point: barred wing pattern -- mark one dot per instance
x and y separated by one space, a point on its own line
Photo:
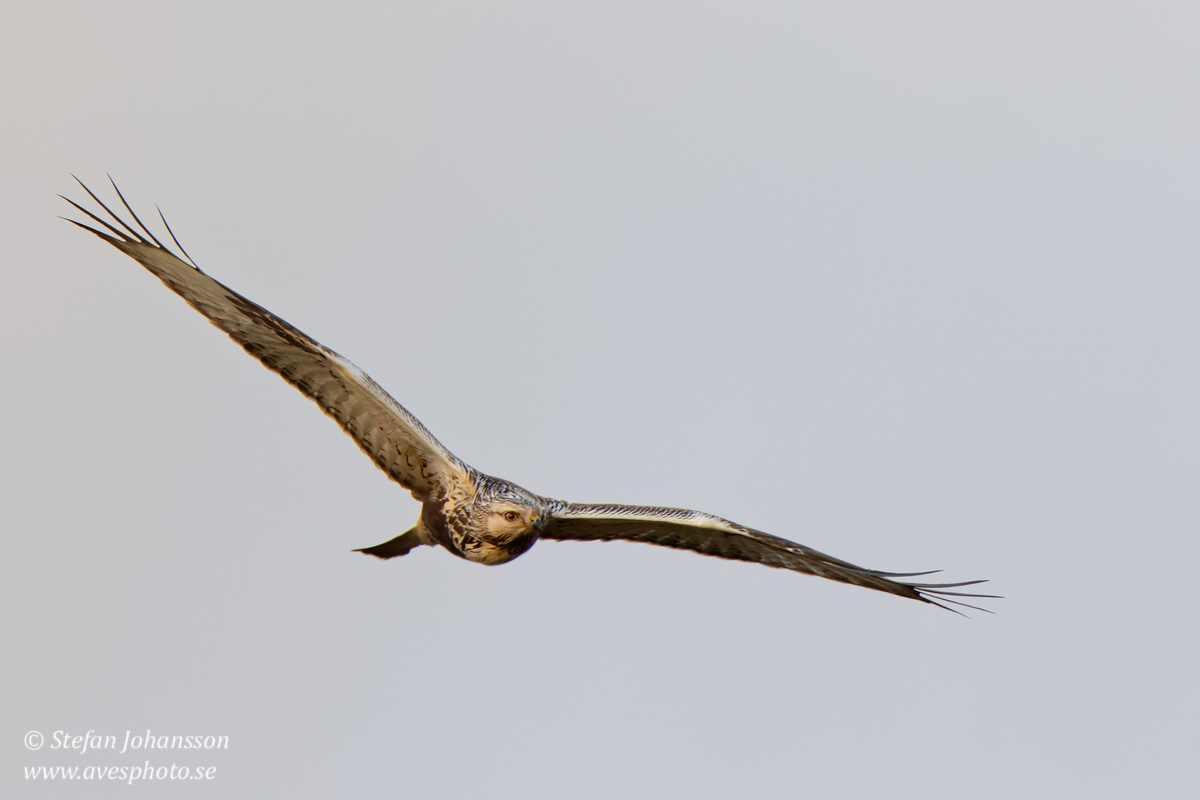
713 536
451 491
383 429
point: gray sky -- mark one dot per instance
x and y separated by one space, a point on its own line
915 284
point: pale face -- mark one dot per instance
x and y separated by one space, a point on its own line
507 522
502 532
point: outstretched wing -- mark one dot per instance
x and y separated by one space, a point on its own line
713 536
382 428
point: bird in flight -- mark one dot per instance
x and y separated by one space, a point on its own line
475 516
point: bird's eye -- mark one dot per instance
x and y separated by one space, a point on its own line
511 516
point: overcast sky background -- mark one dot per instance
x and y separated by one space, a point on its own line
912 283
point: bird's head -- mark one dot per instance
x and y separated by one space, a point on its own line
506 522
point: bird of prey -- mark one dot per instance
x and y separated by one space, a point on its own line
475 516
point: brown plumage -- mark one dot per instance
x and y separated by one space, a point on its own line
475 516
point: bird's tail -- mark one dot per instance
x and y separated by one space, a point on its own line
394 547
